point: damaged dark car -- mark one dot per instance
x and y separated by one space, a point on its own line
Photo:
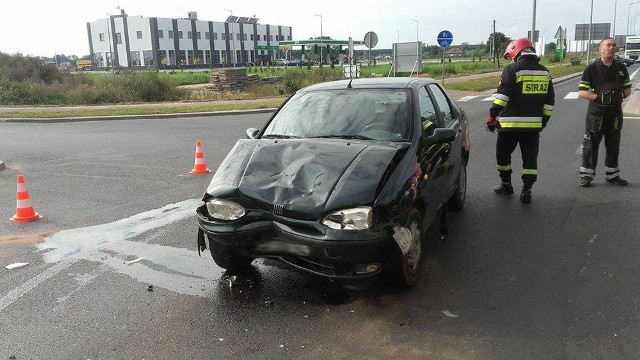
341 182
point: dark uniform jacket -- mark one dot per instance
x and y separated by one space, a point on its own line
608 82
525 96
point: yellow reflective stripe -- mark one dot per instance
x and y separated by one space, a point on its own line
627 83
426 125
534 78
521 125
585 86
504 167
530 171
547 112
499 102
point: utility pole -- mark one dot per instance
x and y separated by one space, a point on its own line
590 34
494 46
533 25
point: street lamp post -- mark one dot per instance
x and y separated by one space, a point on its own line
395 60
321 39
233 41
615 10
590 33
629 15
418 64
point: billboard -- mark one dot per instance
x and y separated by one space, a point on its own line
599 31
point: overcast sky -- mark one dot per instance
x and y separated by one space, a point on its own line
45 28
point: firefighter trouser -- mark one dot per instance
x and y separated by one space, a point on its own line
529 143
590 146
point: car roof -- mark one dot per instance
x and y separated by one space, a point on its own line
372 83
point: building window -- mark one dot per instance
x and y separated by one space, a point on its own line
215 36
148 57
189 35
135 58
238 37
172 57
198 35
270 37
224 36
207 35
101 36
180 35
170 34
138 34
118 38
160 34
207 56
264 37
251 37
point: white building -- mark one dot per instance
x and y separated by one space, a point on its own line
125 41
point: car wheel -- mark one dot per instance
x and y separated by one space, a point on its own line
227 257
408 268
457 200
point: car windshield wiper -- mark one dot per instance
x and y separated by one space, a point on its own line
359 137
279 136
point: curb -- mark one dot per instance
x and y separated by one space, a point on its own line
136 117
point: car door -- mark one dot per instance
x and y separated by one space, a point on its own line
432 157
450 119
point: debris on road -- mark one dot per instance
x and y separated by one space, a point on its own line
15 266
449 314
134 261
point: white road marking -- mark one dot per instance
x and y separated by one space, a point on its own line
634 74
175 269
579 151
571 95
467 98
490 98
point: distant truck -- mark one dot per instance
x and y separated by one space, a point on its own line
83 65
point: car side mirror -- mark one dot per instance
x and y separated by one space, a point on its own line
252 133
441 136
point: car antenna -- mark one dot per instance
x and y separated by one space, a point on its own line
349 85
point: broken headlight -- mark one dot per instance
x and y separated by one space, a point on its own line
359 218
224 209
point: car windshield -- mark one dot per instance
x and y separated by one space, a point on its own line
378 114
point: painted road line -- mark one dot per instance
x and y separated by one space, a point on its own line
467 98
572 95
490 98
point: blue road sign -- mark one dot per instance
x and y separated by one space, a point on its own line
445 38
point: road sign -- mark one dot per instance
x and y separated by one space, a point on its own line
267 47
445 38
370 39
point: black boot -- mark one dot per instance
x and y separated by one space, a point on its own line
525 195
504 189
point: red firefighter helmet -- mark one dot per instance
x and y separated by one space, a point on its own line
516 46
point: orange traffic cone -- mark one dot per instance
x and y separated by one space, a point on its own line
200 167
24 209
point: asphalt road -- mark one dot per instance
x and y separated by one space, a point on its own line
557 278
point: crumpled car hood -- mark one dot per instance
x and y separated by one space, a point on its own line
308 177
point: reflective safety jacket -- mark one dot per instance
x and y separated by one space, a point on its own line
525 96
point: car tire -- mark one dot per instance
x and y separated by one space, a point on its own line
456 203
408 266
228 258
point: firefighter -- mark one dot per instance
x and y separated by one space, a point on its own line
521 109
604 83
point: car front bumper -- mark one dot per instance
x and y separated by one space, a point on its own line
341 255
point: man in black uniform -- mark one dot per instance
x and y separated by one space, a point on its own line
604 83
522 107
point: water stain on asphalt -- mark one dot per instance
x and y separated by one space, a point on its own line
24 238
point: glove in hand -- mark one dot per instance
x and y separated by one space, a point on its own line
492 123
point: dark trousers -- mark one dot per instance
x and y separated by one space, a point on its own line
529 144
590 146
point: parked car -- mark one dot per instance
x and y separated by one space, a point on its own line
626 61
296 62
282 62
341 181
